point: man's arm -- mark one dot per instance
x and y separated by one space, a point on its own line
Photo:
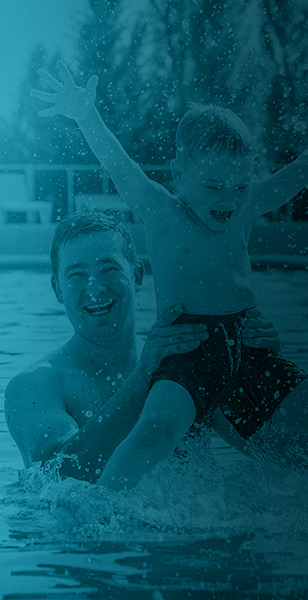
167 416
42 428
274 191
136 189
37 415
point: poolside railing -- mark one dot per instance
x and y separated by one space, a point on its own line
62 185
279 240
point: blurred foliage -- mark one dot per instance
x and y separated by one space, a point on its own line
153 56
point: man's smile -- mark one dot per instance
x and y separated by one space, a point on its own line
99 308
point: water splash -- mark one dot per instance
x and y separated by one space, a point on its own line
192 493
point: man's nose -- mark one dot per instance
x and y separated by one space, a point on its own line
94 286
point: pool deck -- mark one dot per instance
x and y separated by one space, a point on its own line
272 244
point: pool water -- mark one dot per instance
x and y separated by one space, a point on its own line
208 523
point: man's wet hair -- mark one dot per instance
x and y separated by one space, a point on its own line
79 224
209 128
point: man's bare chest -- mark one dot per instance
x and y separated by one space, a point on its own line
86 394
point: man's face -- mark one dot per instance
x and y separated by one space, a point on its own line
216 186
96 284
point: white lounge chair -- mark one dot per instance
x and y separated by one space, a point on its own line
15 198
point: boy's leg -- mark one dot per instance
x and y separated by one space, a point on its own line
267 405
285 436
227 432
292 413
169 409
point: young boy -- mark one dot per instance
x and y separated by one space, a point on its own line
197 243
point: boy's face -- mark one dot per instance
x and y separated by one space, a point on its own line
216 186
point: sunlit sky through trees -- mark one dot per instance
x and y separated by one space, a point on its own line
27 24
152 57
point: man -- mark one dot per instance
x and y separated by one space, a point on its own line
82 400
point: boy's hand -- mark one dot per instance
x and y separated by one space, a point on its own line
166 338
258 332
68 99
133 185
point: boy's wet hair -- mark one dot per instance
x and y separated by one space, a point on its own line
209 128
82 223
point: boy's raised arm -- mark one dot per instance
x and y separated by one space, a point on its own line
78 103
274 191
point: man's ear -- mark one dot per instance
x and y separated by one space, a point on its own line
56 288
176 172
139 273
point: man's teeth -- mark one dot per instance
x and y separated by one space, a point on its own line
100 308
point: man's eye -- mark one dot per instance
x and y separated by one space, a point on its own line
109 269
76 275
241 188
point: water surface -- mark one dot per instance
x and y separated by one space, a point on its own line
208 523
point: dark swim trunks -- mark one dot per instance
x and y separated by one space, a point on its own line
247 384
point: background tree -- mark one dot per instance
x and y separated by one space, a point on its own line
153 56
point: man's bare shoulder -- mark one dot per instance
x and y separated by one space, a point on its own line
36 411
48 370
31 381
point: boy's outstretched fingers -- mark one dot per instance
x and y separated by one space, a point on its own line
50 80
45 96
48 112
92 84
68 99
68 79
65 74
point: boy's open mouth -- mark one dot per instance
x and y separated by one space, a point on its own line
99 308
222 216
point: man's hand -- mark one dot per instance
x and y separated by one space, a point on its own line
68 99
258 332
166 338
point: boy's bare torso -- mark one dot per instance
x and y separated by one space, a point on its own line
206 272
